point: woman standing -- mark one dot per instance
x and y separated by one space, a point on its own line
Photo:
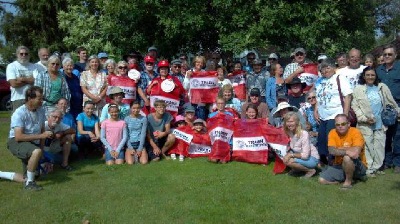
369 99
275 86
94 84
53 84
121 80
74 87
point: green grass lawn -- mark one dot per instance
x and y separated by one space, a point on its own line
193 191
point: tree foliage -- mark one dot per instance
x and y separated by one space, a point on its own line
173 26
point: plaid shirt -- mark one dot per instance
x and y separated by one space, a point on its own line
43 80
145 79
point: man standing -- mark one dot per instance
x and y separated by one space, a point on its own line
257 79
20 76
176 69
251 56
347 145
294 69
153 52
27 134
43 54
354 69
82 54
61 139
389 73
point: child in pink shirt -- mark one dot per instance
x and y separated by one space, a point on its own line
114 135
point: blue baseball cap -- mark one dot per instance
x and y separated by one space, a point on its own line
102 55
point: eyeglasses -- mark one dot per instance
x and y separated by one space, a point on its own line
177 66
182 58
388 55
251 58
311 97
215 58
149 63
341 124
299 54
24 54
123 67
55 64
272 59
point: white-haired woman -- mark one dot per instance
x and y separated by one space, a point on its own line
71 75
53 84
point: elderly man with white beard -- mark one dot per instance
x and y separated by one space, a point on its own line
20 76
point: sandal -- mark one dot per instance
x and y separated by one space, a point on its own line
346 187
67 167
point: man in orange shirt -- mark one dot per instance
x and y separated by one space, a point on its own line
346 144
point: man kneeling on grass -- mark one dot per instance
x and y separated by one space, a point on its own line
61 139
347 145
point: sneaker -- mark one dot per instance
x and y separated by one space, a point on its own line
371 175
33 186
397 169
181 158
380 172
173 156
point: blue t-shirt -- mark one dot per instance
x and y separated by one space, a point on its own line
69 120
376 105
88 123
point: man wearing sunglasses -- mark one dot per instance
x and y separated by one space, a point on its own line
20 76
346 144
294 69
389 73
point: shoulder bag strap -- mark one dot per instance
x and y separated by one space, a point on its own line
340 91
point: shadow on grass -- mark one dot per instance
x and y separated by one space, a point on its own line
396 185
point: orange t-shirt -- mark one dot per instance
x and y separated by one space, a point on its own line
351 139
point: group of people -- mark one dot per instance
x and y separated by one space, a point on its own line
128 110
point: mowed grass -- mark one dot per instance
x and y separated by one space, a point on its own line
193 191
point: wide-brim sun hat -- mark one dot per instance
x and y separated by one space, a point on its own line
284 105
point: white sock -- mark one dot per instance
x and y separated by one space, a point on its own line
181 157
7 175
173 156
30 177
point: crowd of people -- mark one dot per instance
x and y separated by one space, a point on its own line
333 111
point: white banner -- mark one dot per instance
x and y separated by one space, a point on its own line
197 149
220 133
250 143
172 104
203 82
183 136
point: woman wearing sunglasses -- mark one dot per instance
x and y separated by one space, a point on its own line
122 80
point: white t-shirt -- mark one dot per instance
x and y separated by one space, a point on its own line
351 74
328 98
16 70
55 145
41 67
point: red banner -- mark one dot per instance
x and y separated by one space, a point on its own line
190 143
171 98
127 85
239 84
220 130
249 141
278 142
200 146
310 75
203 87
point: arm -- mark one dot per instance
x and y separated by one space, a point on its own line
186 80
124 138
104 113
90 95
143 134
65 90
97 130
306 145
270 98
21 81
143 96
352 152
347 101
21 137
291 73
361 116
166 132
104 140
61 134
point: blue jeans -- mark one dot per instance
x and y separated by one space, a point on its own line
322 145
392 146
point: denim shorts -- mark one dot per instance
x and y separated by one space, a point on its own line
310 163
134 145
121 155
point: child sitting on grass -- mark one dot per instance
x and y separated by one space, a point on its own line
114 136
137 127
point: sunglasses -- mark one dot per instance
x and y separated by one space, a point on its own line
272 59
341 124
388 55
177 66
299 54
55 64
123 67
149 63
23 54
311 97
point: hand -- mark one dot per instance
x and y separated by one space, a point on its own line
94 139
230 74
352 154
299 70
156 151
371 121
114 154
146 102
287 158
156 134
189 74
58 135
139 153
47 134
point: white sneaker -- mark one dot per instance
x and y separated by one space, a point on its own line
181 158
173 156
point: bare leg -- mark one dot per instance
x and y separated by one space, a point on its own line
168 144
66 144
34 160
144 157
348 167
129 158
323 181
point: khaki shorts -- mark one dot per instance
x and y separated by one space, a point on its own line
22 150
